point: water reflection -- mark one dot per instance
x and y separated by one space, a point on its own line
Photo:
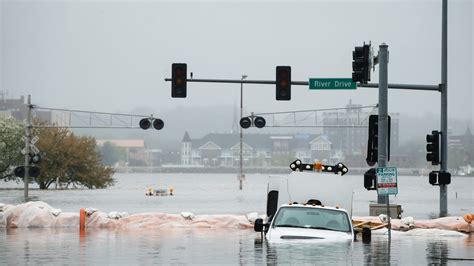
437 253
217 246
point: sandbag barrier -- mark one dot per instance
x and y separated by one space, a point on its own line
40 214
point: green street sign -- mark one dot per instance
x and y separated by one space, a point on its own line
332 84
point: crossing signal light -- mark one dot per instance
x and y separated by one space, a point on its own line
179 80
361 64
283 83
146 123
259 122
158 124
245 122
249 121
432 147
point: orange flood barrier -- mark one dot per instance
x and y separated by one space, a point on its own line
82 220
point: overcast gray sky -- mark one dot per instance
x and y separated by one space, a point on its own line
114 55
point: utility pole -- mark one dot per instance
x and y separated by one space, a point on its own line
443 189
27 147
241 171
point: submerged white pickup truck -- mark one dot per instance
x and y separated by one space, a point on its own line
308 207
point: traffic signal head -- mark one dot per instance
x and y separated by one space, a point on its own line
145 123
245 122
283 83
179 79
370 179
432 147
433 178
259 122
361 64
372 143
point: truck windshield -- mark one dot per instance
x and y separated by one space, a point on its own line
316 218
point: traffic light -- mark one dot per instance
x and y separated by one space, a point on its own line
361 64
433 178
433 147
373 141
370 179
179 79
252 120
283 83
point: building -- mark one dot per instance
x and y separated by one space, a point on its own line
17 109
136 152
258 150
348 130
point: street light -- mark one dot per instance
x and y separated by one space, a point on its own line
241 175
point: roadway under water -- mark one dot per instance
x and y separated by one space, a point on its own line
219 194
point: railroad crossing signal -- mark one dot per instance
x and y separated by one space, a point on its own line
283 83
146 123
179 79
252 120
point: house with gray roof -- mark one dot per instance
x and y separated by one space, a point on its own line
258 150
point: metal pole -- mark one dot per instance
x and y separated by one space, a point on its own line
27 147
241 132
383 121
443 189
383 106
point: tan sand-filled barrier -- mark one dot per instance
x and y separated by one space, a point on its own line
455 223
40 214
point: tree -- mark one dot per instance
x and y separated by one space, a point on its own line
10 147
70 160
111 153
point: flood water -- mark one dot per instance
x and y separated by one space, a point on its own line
220 194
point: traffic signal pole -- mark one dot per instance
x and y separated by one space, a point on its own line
443 189
383 112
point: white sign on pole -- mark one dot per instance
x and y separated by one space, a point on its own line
34 139
34 149
387 181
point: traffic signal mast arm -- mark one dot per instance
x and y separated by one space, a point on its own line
306 83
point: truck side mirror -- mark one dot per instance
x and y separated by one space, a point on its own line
258 225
